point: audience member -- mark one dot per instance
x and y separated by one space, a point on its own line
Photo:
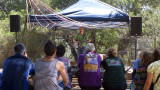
89 65
47 68
114 75
60 53
153 72
16 70
141 72
135 65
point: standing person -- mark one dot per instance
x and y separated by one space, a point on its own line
47 68
80 41
60 53
16 70
153 72
141 72
114 75
89 64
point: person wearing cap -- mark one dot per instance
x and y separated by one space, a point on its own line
89 65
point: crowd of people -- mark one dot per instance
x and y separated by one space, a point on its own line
146 71
51 72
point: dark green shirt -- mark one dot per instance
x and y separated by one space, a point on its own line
114 70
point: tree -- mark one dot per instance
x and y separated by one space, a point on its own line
61 4
9 5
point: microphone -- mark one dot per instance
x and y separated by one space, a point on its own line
80 32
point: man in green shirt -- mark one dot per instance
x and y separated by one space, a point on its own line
80 40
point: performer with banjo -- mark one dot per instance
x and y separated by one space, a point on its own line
81 40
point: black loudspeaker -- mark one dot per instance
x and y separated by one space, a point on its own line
136 26
14 23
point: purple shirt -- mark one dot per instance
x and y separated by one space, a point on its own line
89 65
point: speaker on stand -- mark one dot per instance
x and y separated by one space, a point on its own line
136 26
15 24
136 30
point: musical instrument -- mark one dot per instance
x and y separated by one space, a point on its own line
79 45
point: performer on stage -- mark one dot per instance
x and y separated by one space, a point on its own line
81 40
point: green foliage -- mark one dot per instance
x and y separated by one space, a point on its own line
9 5
34 41
106 38
3 15
151 20
61 4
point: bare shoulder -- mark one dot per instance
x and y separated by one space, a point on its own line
59 65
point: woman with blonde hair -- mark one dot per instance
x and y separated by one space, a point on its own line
114 75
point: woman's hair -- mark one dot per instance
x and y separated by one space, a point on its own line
111 52
60 50
90 47
146 58
156 54
49 48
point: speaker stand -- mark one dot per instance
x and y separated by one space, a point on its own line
135 47
16 37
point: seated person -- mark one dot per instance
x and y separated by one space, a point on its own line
60 53
141 72
114 75
89 64
135 65
153 72
16 70
47 68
